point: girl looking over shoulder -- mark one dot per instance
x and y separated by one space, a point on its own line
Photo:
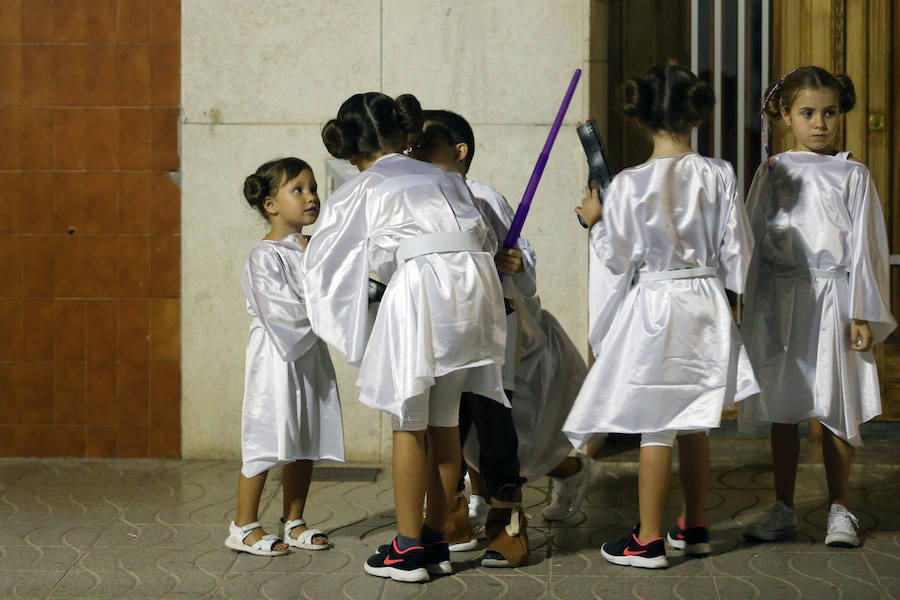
291 412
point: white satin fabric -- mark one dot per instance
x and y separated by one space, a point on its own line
815 212
440 312
499 215
669 355
291 406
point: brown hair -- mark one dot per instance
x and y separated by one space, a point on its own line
668 98
783 93
268 178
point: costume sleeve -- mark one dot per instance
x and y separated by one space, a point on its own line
611 267
869 268
499 216
736 245
337 273
278 306
757 199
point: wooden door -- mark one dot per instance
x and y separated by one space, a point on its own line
856 37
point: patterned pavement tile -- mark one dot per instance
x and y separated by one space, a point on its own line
891 586
155 529
38 558
121 583
29 584
50 533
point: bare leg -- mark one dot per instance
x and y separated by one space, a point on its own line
567 468
249 492
444 455
838 455
479 485
295 488
785 456
295 484
654 471
693 460
411 474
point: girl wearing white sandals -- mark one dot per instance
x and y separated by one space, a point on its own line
291 412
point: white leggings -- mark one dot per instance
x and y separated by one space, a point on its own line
437 407
666 438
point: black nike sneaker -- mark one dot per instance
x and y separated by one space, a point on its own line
631 553
693 540
389 561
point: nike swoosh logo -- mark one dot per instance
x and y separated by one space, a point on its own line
392 561
627 552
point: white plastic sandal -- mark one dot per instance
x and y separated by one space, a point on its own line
304 541
262 547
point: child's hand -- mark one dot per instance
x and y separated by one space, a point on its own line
860 335
509 261
591 210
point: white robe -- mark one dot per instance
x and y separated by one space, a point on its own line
440 312
291 406
815 212
543 367
669 355
499 215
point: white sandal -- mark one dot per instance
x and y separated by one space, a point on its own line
305 539
262 547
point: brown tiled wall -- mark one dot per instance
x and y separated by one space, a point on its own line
90 228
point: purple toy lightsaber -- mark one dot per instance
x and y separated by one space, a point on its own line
515 229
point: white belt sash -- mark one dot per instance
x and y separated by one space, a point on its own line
676 274
808 272
436 243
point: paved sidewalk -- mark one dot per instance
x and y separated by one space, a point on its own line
72 528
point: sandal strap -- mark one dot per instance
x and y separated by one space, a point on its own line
269 540
289 526
248 528
307 536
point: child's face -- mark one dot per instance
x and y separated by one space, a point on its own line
435 145
814 118
297 201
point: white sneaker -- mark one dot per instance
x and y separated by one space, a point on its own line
776 523
842 528
478 510
567 495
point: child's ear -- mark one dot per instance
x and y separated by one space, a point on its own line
786 116
269 205
462 151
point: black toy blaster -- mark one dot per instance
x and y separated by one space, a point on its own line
598 168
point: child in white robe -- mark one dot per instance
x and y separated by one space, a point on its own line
673 235
440 325
291 412
817 297
542 374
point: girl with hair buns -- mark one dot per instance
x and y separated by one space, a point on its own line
440 328
291 413
817 297
672 237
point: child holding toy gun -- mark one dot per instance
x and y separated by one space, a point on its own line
673 235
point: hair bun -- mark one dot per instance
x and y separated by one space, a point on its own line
409 113
667 98
635 100
699 101
255 190
847 97
338 140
